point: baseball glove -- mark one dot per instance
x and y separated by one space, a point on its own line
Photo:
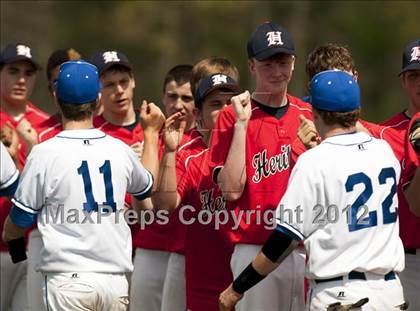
414 135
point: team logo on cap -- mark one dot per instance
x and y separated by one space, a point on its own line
219 79
274 38
415 54
110 56
23 50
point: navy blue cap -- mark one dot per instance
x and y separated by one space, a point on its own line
15 52
77 83
269 39
106 59
335 90
411 57
213 82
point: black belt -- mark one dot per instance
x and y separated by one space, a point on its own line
355 275
411 251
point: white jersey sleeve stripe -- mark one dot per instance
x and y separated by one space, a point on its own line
24 207
290 231
148 186
10 181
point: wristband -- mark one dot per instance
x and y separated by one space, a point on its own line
17 249
247 279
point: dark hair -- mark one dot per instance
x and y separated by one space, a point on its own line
181 74
329 56
60 56
345 119
209 66
77 112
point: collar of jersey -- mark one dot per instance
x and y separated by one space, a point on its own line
82 134
348 139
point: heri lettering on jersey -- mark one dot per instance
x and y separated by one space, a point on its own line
264 167
415 54
274 38
211 203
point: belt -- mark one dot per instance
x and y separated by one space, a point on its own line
355 275
411 251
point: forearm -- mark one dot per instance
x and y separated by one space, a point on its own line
150 157
232 177
11 231
166 196
413 195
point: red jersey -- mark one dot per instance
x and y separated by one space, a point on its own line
394 131
35 117
409 223
270 134
191 145
52 126
207 249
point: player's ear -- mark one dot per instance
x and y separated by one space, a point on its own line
293 62
251 65
98 99
355 75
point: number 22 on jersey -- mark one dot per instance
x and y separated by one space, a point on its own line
372 218
105 170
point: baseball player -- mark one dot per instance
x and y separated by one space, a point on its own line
252 163
394 131
13 277
49 128
17 78
158 278
85 173
345 268
203 246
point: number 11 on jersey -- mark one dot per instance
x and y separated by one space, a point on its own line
90 204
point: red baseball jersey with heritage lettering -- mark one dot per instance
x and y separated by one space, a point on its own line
35 117
268 164
207 250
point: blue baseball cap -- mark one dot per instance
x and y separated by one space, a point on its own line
269 39
213 82
335 90
77 82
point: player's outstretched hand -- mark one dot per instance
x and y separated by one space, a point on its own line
174 131
28 134
228 299
242 105
307 133
151 117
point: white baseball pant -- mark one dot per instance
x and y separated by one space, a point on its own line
35 278
82 291
283 289
147 279
174 296
13 295
383 295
